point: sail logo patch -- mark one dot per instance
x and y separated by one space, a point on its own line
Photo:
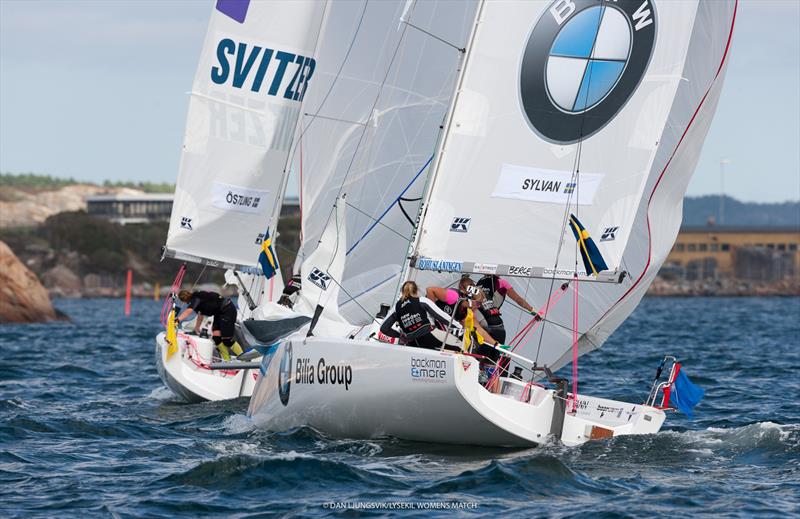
582 62
439 265
546 185
186 223
609 234
460 224
234 9
237 198
428 370
319 278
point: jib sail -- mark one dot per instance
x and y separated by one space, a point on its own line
255 69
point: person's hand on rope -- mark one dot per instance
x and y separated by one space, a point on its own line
535 314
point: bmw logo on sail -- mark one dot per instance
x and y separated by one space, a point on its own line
582 62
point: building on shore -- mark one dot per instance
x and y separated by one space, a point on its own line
125 209
764 254
151 207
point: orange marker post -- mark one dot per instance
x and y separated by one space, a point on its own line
128 293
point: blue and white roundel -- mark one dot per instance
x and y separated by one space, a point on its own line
583 61
587 58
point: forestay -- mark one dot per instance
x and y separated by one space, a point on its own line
381 90
256 66
525 120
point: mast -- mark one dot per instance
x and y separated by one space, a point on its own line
406 270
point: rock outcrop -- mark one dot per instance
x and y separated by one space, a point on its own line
23 299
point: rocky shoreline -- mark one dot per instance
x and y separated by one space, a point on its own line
23 299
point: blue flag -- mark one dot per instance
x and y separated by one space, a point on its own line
593 261
267 259
685 395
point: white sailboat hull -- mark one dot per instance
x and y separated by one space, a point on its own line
365 389
186 371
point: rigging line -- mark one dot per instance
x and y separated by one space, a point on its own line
353 299
335 247
420 29
357 123
411 199
575 178
197 280
403 209
361 137
408 186
370 289
333 84
373 218
523 312
276 212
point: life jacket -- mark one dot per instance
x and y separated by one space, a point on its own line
489 286
460 310
412 318
207 303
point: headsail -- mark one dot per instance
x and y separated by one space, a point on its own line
597 109
382 88
254 71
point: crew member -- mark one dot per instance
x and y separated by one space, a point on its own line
413 315
291 292
456 303
222 309
495 290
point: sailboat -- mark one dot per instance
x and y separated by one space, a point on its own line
559 163
255 68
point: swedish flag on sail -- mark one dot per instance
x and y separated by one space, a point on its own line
266 259
592 259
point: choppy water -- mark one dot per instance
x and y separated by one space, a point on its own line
86 428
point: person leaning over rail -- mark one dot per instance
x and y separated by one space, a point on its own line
413 315
495 289
222 309
457 302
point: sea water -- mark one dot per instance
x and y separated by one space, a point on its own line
86 428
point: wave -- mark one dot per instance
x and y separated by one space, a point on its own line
286 473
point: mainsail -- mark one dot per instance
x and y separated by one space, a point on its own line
255 69
585 108
384 79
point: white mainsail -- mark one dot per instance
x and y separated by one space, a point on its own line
256 65
574 107
384 79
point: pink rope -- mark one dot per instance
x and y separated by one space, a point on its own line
531 325
194 356
176 285
575 348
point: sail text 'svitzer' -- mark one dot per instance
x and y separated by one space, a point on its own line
278 63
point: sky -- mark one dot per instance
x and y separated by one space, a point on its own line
97 90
